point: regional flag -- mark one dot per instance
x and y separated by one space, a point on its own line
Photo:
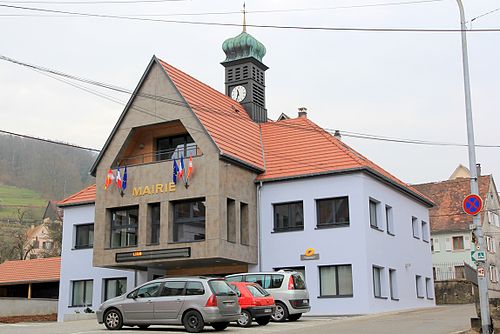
176 170
109 179
190 167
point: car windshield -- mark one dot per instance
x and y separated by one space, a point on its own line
257 291
221 288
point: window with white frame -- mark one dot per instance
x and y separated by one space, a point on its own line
419 286
428 288
378 274
493 273
493 218
415 227
374 205
389 220
490 244
435 247
458 243
393 284
425 231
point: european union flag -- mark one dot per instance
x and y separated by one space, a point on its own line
176 171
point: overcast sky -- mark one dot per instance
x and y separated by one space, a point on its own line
395 84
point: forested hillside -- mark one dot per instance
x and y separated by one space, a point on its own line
54 171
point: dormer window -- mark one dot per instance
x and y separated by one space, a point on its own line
174 147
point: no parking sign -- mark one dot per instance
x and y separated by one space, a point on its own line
472 204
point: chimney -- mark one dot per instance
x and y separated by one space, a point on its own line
478 170
302 112
337 135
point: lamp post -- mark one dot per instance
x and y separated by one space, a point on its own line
482 281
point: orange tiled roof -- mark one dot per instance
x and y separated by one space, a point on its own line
447 214
84 196
226 120
36 270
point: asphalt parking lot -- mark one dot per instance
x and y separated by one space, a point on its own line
437 320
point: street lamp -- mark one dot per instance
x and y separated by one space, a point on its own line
481 280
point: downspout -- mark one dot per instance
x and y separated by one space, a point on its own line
259 236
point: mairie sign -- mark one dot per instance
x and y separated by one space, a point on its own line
153 189
477 256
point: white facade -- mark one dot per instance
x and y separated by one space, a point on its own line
76 265
358 244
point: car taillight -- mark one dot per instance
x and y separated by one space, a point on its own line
212 301
291 283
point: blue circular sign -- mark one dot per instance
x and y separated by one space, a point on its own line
472 205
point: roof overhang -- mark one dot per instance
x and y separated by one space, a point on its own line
75 204
29 281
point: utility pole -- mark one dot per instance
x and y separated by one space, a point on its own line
482 281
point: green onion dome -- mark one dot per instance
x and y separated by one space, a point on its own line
243 46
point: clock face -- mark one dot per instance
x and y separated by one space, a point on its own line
238 93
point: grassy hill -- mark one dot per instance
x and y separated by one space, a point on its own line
12 198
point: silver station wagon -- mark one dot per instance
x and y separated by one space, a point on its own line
189 301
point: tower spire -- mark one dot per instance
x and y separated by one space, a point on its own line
244 19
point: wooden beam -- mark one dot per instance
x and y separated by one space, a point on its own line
29 291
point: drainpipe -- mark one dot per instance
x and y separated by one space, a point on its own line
259 236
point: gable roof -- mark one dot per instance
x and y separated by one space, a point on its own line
30 271
447 214
84 196
278 150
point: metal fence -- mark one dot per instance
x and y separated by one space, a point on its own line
454 271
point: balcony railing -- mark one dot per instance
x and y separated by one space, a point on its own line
161 155
454 271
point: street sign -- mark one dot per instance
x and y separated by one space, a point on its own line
472 227
480 272
472 204
477 256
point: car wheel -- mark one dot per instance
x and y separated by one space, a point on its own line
143 326
220 326
193 322
113 319
245 319
294 317
280 313
262 321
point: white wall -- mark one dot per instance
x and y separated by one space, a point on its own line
357 244
76 264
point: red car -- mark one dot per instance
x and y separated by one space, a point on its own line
255 302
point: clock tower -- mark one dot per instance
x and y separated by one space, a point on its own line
245 73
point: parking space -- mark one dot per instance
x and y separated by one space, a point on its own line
438 320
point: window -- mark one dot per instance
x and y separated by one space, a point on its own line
47 245
493 273
373 213
154 213
377 281
458 243
414 226
389 220
335 281
428 288
490 244
194 289
393 284
114 287
175 147
288 216
171 289
301 270
148 290
332 211
81 293
231 220
244 228
459 272
419 286
84 236
435 245
189 221
425 231
124 227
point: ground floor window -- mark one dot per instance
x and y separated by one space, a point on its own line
114 287
419 286
81 293
393 282
428 288
377 281
336 281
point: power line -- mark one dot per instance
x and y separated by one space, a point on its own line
91 2
269 26
482 15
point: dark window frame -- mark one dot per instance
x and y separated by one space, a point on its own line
334 201
121 227
379 270
153 224
244 224
168 153
393 284
337 284
106 280
79 226
191 220
389 220
72 304
376 205
288 229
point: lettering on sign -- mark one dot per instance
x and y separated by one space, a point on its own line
138 253
480 272
158 188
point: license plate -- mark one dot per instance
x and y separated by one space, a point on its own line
267 310
305 301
